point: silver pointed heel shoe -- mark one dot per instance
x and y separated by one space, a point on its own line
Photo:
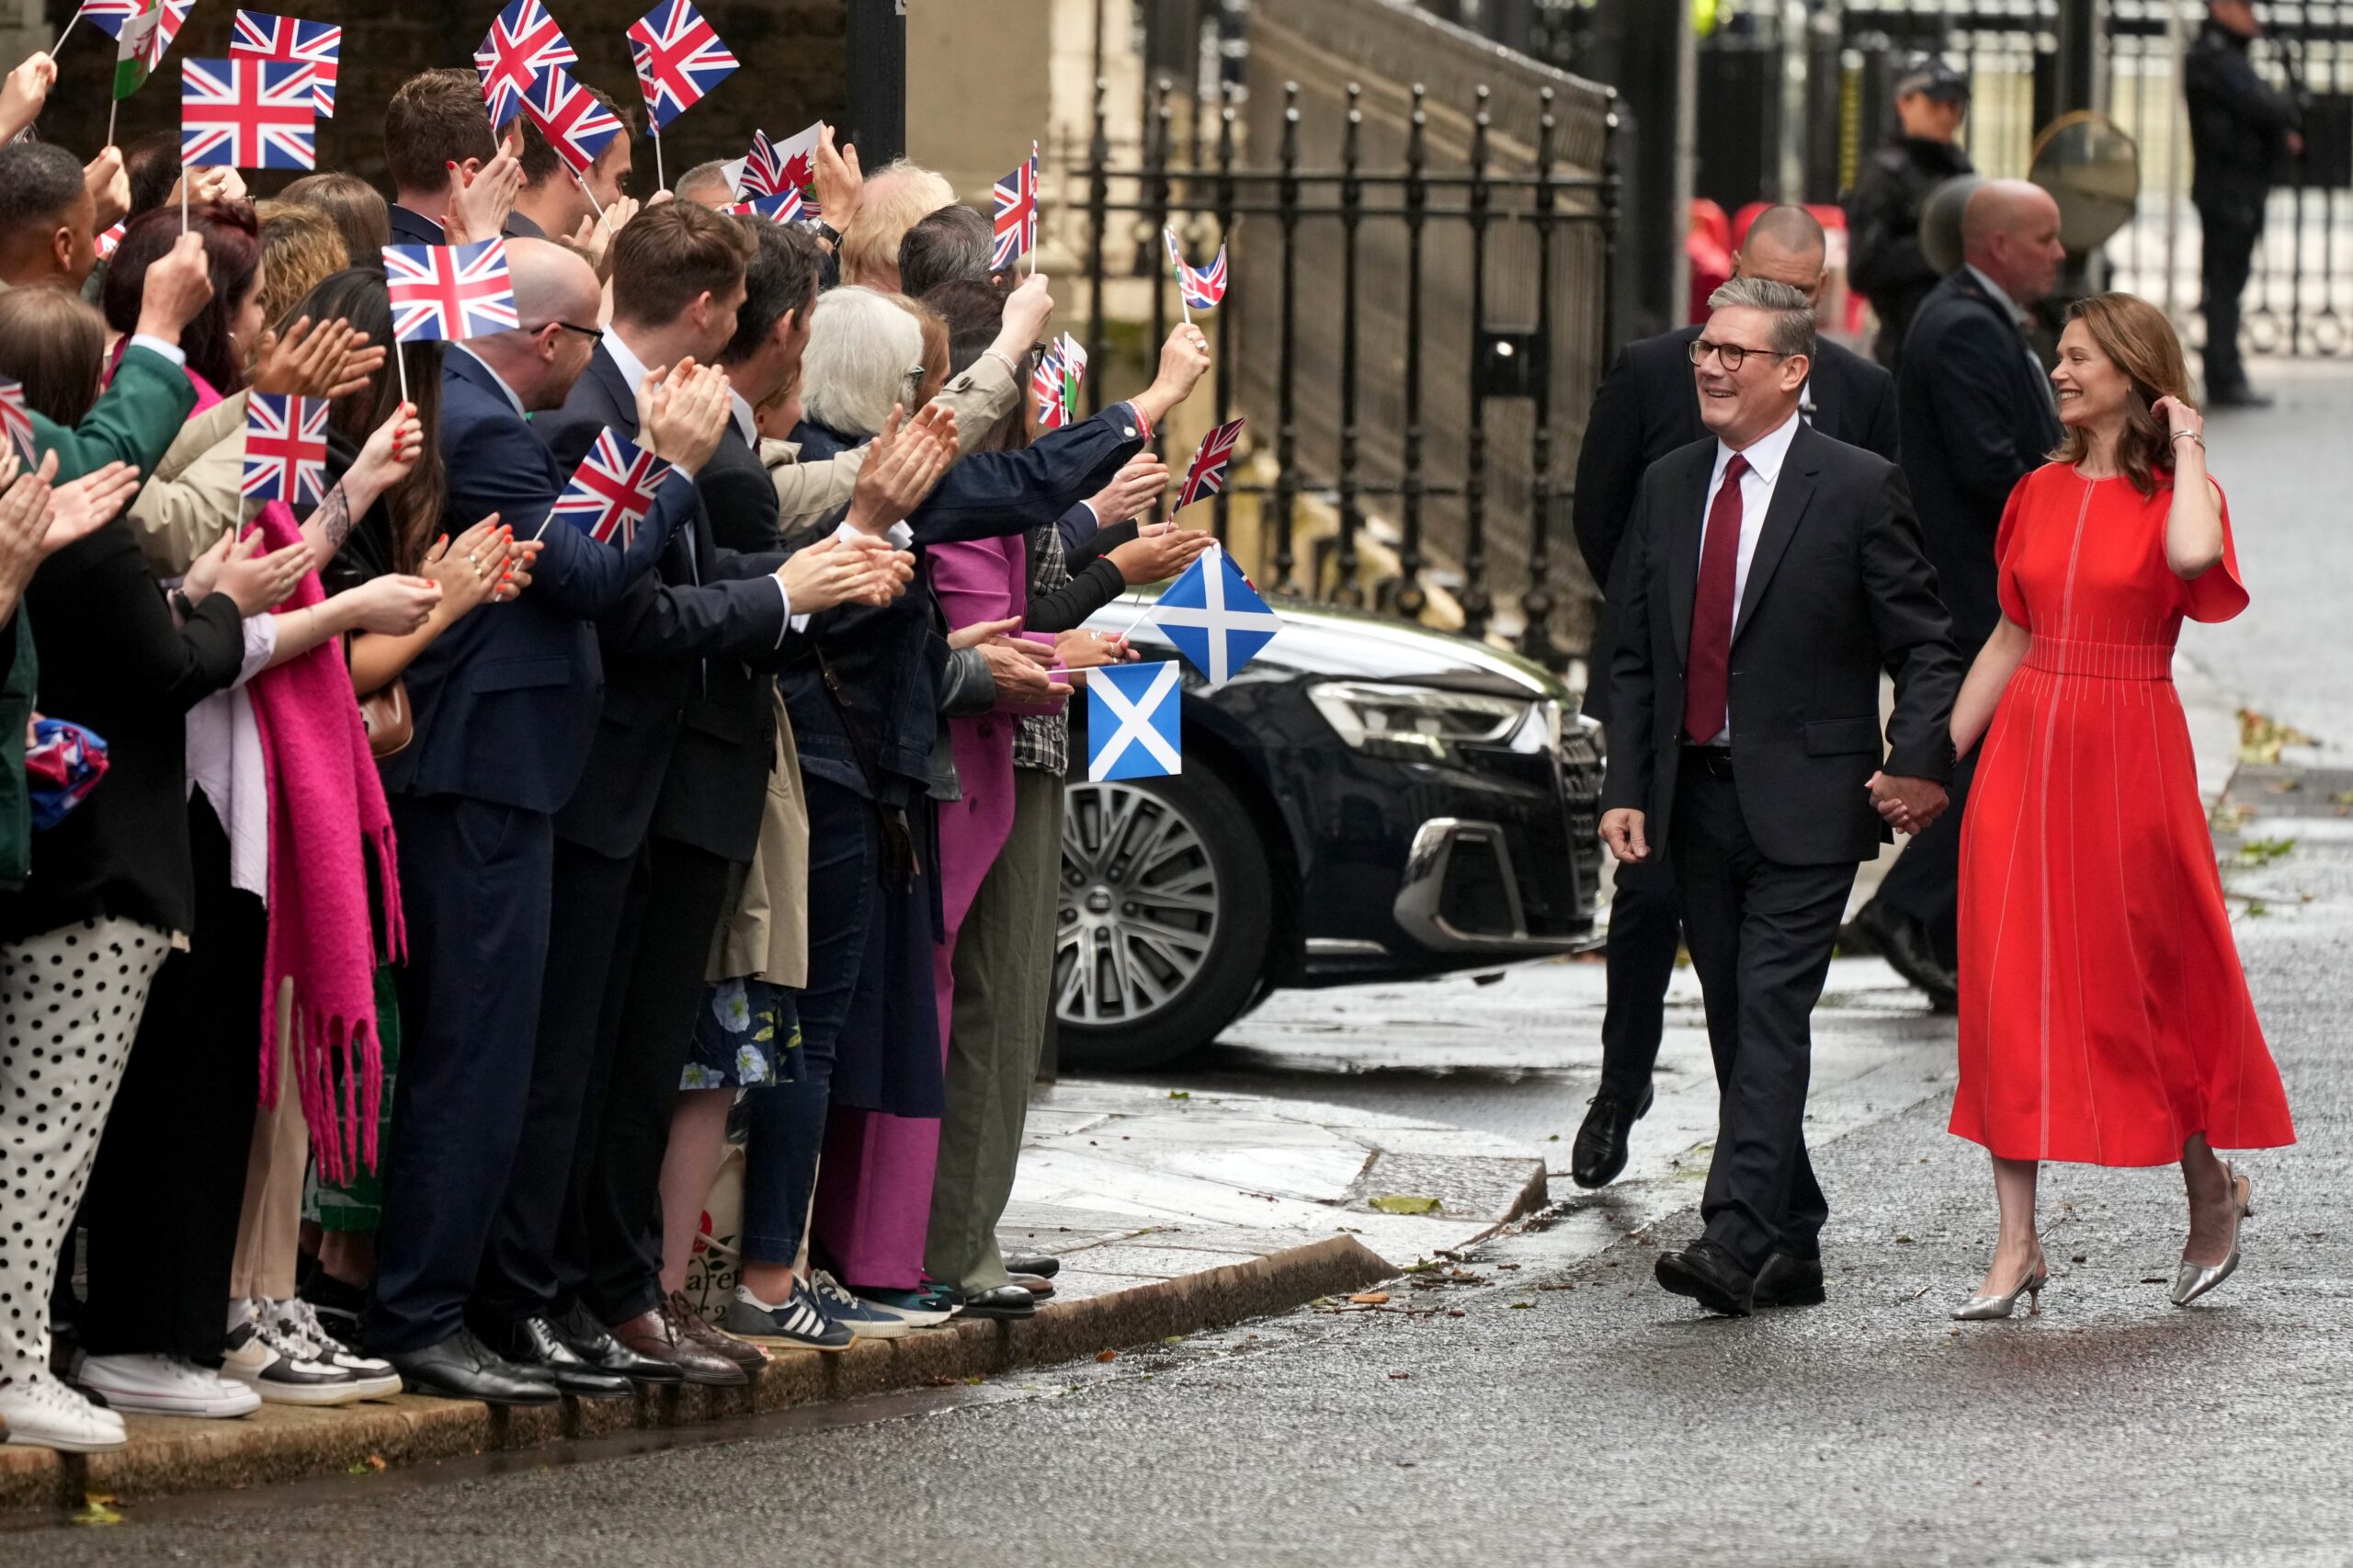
2191 1280
1986 1308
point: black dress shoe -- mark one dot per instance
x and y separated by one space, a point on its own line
589 1340
1904 943
534 1343
1710 1276
1789 1280
1045 1266
462 1366
1599 1152
2237 397
1005 1302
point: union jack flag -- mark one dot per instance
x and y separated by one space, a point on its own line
1055 383
110 14
678 58
1202 288
1207 476
249 114
17 420
319 44
576 126
108 241
1016 213
521 44
613 489
785 209
771 168
447 292
286 448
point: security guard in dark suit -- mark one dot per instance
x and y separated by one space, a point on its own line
2238 125
1883 262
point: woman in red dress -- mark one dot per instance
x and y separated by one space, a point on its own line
2104 1015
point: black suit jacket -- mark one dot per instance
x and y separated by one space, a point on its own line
411 228
1977 419
1649 405
683 630
1837 590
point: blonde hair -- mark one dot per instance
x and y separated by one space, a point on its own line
2134 337
302 247
898 196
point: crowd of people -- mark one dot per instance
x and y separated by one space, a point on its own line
438 888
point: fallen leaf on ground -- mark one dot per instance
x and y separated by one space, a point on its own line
1180 1095
1401 1376
1107 1355
1402 1203
96 1511
1370 1298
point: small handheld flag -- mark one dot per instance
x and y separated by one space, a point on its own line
1046 386
1134 724
1215 617
771 168
1199 288
678 59
1017 215
523 41
318 44
250 114
17 419
445 292
107 241
612 490
107 15
576 126
286 448
785 209
141 39
1207 476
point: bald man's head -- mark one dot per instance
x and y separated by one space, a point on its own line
2009 231
1785 245
558 301
551 282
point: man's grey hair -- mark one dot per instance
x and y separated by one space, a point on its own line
709 180
864 353
1790 328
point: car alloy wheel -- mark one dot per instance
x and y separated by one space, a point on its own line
1138 907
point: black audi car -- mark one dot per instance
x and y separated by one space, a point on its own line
1366 800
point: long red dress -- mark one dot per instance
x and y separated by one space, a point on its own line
2104 1013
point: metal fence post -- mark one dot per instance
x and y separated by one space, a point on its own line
1343 561
1478 605
1411 598
1536 602
1098 201
1286 398
1222 507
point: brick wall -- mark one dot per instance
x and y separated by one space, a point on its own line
795 70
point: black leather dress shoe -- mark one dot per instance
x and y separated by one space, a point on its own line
1005 1302
462 1366
1904 943
1045 1266
1599 1152
534 1342
588 1339
1710 1276
1789 1280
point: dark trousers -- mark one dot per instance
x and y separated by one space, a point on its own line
787 1122
609 1256
1924 881
579 1004
474 889
1645 933
163 1197
1760 934
2230 232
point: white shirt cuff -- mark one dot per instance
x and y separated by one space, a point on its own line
261 646
791 622
148 340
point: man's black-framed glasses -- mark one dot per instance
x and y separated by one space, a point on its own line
571 326
1729 354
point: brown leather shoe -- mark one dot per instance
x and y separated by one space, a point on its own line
659 1336
701 1332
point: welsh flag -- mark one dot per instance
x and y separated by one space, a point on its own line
139 47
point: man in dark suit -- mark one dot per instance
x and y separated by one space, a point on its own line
506 706
1647 408
438 146
552 203
2238 128
1770 575
1977 419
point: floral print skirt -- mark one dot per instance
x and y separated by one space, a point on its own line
746 1037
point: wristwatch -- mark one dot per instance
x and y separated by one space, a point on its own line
825 232
182 603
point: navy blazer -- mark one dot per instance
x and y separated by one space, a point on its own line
411 228
1978 417
505 700
673 637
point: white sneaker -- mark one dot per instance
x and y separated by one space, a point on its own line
42 1412
165 1385
297 1321
281 1370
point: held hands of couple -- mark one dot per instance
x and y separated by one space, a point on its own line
681 411
1907 805
333 359
902 462
839 570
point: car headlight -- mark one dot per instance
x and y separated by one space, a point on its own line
1423 724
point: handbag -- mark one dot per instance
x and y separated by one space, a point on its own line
390 723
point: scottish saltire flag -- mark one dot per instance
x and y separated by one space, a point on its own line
17 418
1207 476
576 126
1202 288
1016 213
248 114
771 168
613 489
523 41
1133 724
447 292
286 448
785 209
317 44
678 59
1215 617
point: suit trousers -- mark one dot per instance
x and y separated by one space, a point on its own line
475 881
594 897
2229 230
1004 988
1761 934
610 1258
1924 881
1646 934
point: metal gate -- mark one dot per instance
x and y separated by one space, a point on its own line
1421 229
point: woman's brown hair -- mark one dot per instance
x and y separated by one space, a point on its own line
55 344
2138 340
301 248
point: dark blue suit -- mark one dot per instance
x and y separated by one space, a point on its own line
506 706
413 228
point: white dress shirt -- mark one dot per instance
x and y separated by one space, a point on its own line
1765 455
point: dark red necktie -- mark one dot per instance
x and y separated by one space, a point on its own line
1707 684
